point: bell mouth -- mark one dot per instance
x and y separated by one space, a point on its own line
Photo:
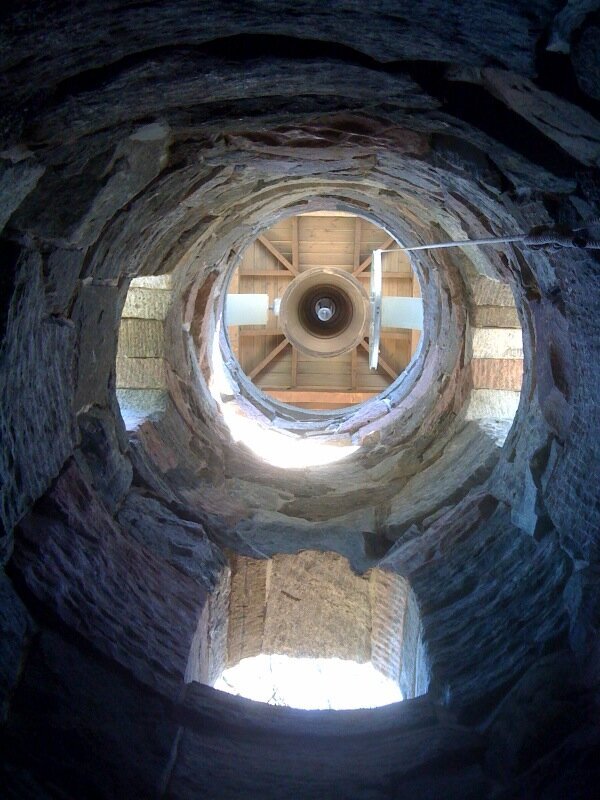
325 310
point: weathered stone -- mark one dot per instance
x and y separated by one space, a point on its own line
492 403
497 373
141 339
557 119
472 455
586 59
96 314
16 627
75 721
109 590
147 138
36 390
17 180
146 303
182 543
99 457
140 373
497 343
62 270
495 317
399 750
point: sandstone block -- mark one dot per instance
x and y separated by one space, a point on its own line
140 373
145 303
497 373
495 403
497 343
141 338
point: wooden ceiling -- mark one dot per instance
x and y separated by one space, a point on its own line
300 243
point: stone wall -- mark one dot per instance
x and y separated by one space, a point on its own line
150 140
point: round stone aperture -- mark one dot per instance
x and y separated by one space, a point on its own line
324 312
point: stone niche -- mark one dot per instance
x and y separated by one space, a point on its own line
312 605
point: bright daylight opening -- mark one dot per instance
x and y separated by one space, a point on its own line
279 448
309 683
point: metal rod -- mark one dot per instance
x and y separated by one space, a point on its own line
463 243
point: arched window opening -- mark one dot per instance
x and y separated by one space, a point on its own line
306 631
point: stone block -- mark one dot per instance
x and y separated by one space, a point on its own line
141 338
140 373
100 459
152 282
487 292
37 427
395 751
145 303
492 403
17 180
497 343
497 373
16 626
466 460
97 313
495 317
247 608
316 608
181 542
132 606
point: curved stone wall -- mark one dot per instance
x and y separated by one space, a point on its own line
150 142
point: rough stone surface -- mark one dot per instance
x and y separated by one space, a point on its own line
99 457
497 343
180 542
16 627
496 373
146 303
495 317
159 608
141 338
148 144
36 389
473 446
96 313
493 403
76 719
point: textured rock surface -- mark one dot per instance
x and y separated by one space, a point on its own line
132 606
143 146
16 627
36 389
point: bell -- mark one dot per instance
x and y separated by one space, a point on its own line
324 312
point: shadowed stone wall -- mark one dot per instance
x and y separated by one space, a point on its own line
156 140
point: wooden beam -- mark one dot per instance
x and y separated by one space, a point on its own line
414 334
267 359
381 363
294 380
295 245
386 276
275 252
267 273
248 333
398 334
356 253
325 398
367 262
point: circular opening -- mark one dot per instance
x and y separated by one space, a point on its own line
298 308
